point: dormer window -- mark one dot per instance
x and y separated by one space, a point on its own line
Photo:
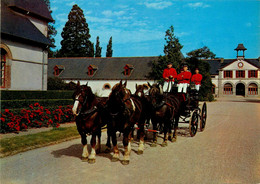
58 69
92 69
128 69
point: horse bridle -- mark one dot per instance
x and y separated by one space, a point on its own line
84 102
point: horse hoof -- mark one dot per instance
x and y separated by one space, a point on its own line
107 150
115 159
140 152
174 140
92 161
125 162
84 159
153 145
164 144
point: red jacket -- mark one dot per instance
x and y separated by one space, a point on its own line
169 71
184 77
196 78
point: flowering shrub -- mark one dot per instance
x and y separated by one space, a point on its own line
36 116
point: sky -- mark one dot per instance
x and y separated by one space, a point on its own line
138 27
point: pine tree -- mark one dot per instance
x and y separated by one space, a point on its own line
172 51
51 32
109 52
98 48
76 36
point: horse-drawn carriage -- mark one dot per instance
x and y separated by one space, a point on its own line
121 111
194 112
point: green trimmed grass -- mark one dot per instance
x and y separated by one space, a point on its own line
14 145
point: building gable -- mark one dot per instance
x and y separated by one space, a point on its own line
240 64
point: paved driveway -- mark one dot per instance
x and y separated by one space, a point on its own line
228 151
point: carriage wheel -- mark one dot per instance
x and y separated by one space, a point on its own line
203 116
193 124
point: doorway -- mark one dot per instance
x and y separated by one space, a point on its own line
240 89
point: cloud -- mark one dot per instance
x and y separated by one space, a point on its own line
198 5
62 17
157 5
71 4
109 13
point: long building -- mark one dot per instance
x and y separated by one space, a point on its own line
237 76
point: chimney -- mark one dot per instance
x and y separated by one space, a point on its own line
222 60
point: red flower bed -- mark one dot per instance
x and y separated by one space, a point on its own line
35 117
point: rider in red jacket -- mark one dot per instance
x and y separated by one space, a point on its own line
169 75
196 78
184 79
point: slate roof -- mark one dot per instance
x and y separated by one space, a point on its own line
19 28
113 68
240 47
108 68
217 64
36 8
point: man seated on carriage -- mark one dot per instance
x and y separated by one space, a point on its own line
169 75
196 78
184 79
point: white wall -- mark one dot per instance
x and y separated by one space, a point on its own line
41 25
28 66
97 85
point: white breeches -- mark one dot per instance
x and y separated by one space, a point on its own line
182 87
167 86
197 87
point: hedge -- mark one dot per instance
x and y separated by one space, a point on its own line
15 104
20 95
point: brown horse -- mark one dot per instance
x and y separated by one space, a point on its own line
90 117
166 112
124 112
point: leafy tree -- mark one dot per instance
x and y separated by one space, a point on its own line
98 48
51 32
109 52
202 53
76 36
195 60
172 51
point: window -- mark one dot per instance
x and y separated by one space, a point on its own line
107 86
58 70
91 70
252 89
3 68
240 74
252 74
213 89
228 89
127 69
228 74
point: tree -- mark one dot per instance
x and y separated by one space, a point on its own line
172 51
76 36
194 60
98 48
202 53
51 32
109 52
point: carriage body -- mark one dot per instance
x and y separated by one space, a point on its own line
193 113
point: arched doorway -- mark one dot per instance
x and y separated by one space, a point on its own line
240 89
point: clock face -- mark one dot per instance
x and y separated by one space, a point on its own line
240 65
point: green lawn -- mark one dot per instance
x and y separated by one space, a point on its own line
14 145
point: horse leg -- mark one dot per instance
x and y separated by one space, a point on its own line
115 157
155 133
127 146
165 131
176 122
99 142
141 141
108 144
92 156
85 147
